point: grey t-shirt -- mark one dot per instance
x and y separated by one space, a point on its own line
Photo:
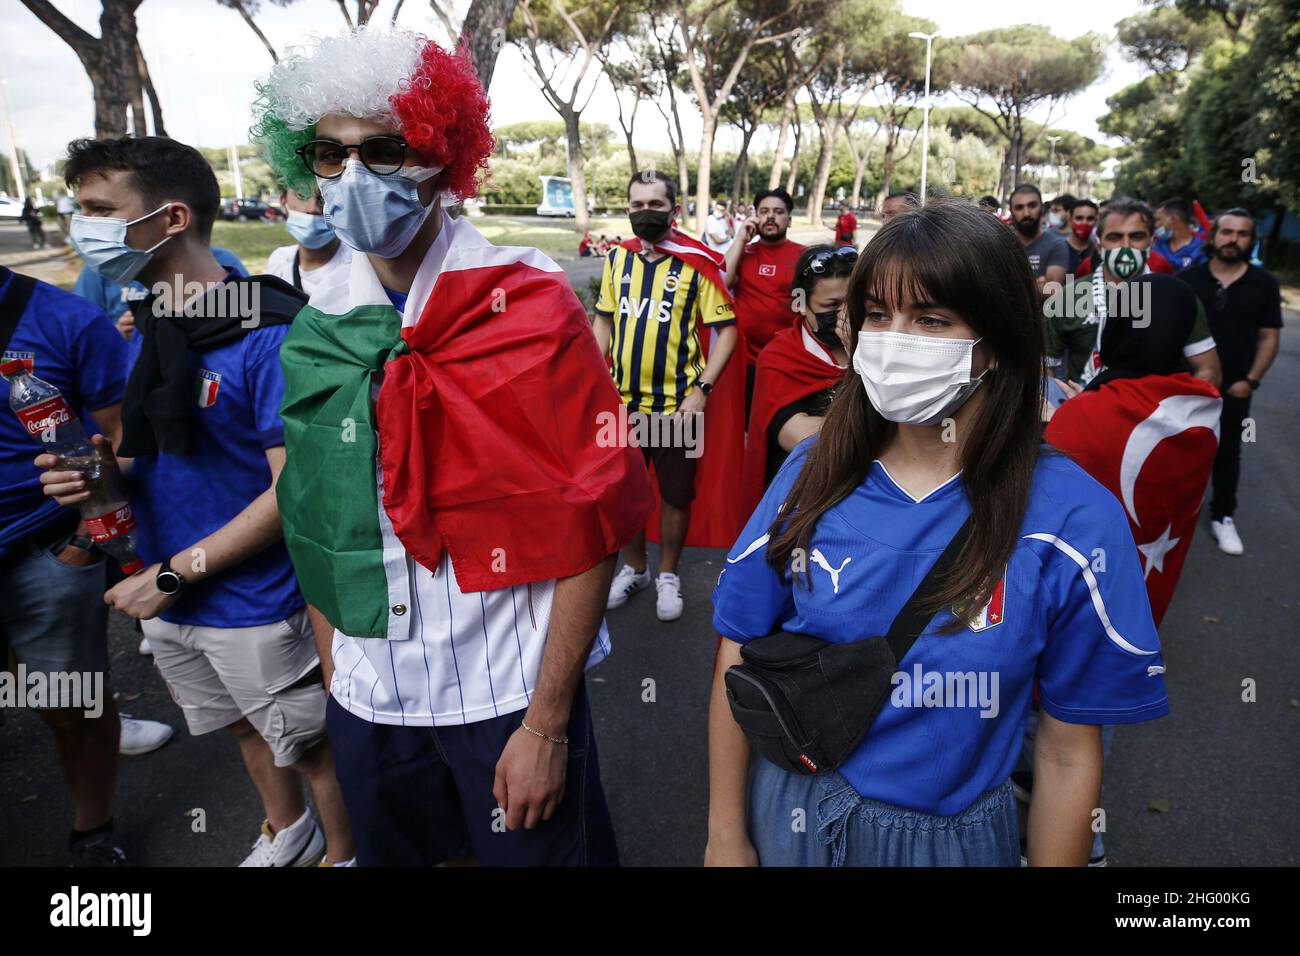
1049 249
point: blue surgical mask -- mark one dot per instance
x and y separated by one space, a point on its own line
309 231
101 242
1164 232
377 214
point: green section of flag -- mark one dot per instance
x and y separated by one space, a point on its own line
327 495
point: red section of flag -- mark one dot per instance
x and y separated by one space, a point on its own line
488 433
1152 442
786 372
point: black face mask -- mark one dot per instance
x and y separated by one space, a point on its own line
649 224
827 331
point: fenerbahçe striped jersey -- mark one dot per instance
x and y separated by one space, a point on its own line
655 345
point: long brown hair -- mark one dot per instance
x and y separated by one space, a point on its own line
960 257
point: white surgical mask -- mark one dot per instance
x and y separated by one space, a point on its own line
915 379
101 242
374 213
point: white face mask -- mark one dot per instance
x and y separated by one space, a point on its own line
915 379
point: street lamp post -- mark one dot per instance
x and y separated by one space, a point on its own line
929 39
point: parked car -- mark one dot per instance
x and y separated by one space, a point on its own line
10 208
249 209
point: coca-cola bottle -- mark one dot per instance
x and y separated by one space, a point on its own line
50 420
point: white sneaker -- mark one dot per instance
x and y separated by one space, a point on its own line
626 583
141 736
668 601
299 845
1225 532
144 648
325 861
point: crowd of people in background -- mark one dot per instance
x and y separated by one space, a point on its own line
400 623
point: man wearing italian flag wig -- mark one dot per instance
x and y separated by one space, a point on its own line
448 506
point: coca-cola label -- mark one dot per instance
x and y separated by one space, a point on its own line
111 525
51 413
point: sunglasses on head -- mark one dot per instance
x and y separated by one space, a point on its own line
822 260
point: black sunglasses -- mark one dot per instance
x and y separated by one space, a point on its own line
821 261
382 155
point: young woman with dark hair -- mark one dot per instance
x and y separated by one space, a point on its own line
938 422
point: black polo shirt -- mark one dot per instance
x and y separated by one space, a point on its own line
1236 314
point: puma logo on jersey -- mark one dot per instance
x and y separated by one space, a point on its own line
819 559
655 309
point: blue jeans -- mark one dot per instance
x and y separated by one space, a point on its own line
1027 763
798 820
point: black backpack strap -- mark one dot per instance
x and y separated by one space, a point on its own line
911 620
13 303
297 271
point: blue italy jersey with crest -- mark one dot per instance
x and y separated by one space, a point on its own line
1070 611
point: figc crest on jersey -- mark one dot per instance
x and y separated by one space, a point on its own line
208 385
992 613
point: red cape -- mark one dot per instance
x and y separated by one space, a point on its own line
716 514
786 372
1152 442
489 433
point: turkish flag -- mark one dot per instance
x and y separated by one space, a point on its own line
1152 442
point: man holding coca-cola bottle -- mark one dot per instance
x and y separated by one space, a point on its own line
202 446
52 581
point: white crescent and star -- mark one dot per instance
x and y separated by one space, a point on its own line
1173 416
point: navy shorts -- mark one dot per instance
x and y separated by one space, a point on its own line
417 796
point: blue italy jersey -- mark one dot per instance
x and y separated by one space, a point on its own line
1069 611
1189 255
73 346
180 499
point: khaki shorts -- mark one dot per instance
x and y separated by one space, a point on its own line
218 674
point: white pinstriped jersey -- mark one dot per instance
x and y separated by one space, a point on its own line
450 657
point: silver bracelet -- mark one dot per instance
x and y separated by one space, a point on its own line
538 733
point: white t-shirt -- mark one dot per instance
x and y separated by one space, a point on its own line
280 264
716 230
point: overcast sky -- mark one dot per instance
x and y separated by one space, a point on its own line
203 60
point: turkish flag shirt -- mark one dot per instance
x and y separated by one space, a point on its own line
762 291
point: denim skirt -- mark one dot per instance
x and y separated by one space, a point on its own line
799 820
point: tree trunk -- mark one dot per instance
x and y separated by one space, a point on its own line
778 159
708 128
484 33
577 175
793 178
827 127
887 172
684 191
159 129
739 179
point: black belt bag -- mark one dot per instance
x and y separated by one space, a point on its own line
804 703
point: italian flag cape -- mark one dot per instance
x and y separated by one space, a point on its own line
485 430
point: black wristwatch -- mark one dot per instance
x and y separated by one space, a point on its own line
168 581
706 387
82 541
1254 383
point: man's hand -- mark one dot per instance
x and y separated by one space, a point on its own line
68 488
529 782
126 324
1240 389
693 403
138 596
748 229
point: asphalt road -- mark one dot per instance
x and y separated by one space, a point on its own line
1215 783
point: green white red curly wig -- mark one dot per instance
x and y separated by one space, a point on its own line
434 96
